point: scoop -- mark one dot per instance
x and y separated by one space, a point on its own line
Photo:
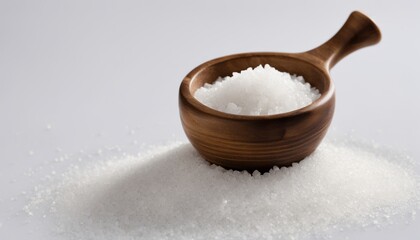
260 142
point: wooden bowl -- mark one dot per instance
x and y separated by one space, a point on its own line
261 142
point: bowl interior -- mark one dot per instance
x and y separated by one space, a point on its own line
210 71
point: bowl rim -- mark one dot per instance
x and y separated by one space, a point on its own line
185 92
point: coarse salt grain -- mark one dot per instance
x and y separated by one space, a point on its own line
258 91
172 193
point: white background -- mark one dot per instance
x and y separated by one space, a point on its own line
104 74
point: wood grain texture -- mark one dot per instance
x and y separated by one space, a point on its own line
261 142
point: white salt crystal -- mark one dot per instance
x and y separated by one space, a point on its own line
172 193
258 91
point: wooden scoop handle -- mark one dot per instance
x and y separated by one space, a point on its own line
357 32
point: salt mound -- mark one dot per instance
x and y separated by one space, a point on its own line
258 91
172 193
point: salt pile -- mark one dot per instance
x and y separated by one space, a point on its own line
172 193
258 91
